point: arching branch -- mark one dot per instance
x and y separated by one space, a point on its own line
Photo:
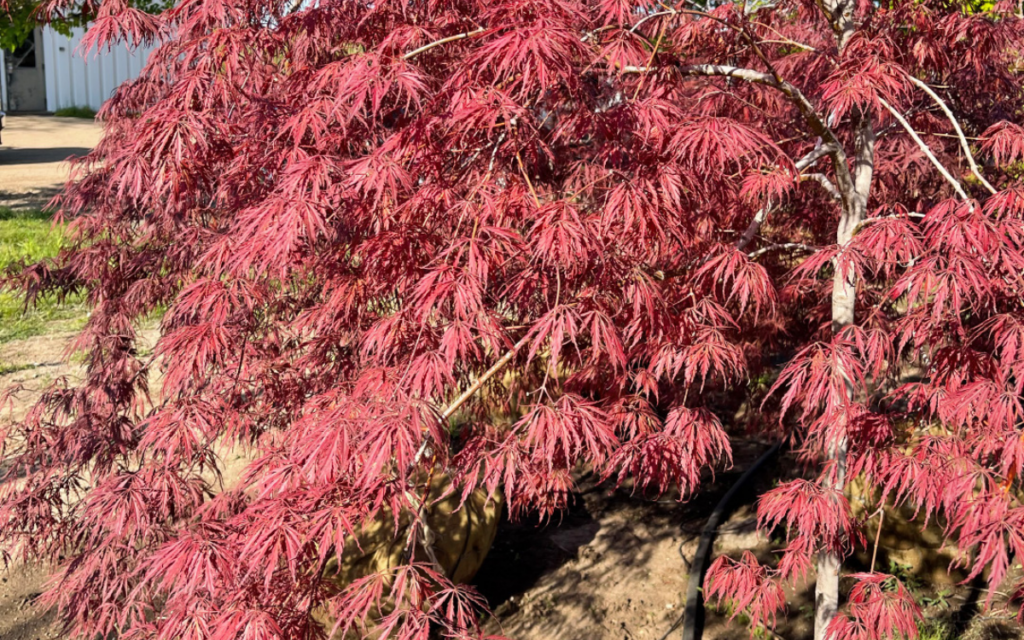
959 132
806 108
924 149
825 183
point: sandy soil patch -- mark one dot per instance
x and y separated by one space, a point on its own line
33 156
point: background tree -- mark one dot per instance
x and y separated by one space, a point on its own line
19 17
16 21
565 221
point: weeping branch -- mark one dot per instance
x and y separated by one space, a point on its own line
924 148
959 132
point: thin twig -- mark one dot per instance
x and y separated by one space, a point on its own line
780 247
468 34
867 221
818 152
473 388
950 135
428 534
670 12
654 52
784 40
878 536
529 184
482 380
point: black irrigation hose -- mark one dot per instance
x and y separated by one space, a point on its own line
694 609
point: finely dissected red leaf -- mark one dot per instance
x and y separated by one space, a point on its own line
748 586
879 608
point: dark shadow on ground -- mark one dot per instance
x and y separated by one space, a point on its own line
39 156
28 200
526 550
628 525
961 618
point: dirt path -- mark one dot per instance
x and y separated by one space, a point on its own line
33 155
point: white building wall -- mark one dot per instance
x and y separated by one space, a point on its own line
3 80
78 79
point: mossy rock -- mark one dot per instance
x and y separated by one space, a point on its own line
904 540
462 537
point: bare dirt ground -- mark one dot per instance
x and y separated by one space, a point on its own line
615 567
616 564
33 156
20 618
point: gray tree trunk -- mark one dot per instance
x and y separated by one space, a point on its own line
844 296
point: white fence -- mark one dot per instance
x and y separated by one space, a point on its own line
78 79
3 81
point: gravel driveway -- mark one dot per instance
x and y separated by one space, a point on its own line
33 154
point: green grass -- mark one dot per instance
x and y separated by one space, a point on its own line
75 112
13 368
30 236
935 630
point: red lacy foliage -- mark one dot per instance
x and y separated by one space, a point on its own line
880 608
351 210
750 586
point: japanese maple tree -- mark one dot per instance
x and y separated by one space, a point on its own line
506 240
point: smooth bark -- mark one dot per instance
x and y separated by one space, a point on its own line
844 295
